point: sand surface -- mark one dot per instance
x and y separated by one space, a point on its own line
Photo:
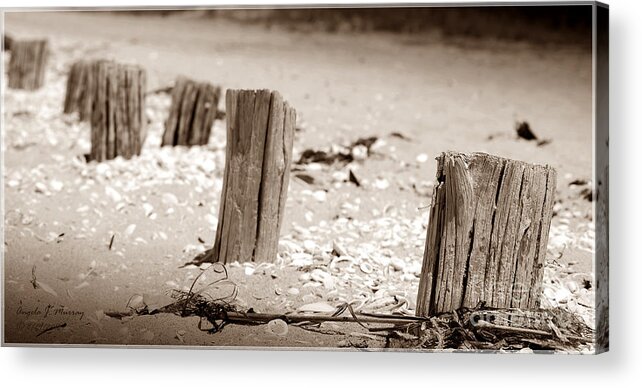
61 213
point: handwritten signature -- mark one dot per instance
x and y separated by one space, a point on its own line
49 318
50 311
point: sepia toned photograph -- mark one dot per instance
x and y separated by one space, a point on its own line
422 178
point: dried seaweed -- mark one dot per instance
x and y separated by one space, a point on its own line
476 329
524 130
337 154
480 328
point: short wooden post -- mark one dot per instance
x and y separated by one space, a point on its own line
487 234
27 64
191 114
81 89
260 132
118 117
7 40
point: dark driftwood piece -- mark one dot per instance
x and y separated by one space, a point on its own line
27 64
260 132
191 114
117 119
487 234
81 89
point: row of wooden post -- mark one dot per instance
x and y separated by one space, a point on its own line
111 96
489 218
260 133
191 116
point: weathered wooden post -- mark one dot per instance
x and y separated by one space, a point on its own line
81 89
191 114
487 234
27 64
118 116
7 40
260 132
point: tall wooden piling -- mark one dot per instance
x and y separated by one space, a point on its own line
118 116
192 113
487 234
260 132
27 64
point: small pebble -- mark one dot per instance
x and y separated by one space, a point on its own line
381 184
366 268
309 246
398 264
320 195
56 185
277 327
359 152
305 277
130 229
338 248
148 209
169 199
41 188
572 286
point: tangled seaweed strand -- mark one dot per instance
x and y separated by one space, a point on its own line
204 301
479 328
497 330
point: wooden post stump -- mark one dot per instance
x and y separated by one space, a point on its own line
27 64
192 113
487 234
260 132
81 89
7 40
118 116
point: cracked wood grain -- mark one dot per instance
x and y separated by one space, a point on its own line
27 64
260 131
191 114
487 233
117 117
80 90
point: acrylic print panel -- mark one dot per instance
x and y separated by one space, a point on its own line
384 178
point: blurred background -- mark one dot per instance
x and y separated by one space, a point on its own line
559 24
